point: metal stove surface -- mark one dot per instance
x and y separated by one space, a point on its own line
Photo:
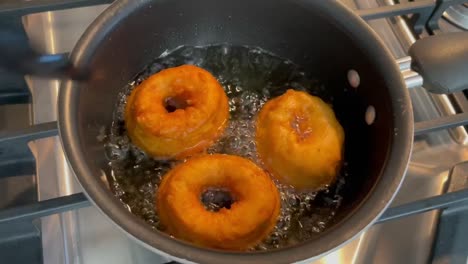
458 15
85 236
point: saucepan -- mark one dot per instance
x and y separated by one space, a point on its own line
323 37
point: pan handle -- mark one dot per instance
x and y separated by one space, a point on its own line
26 60
442 61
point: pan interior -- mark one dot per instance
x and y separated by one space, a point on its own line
250 76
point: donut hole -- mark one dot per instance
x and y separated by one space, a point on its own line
214 199
173 103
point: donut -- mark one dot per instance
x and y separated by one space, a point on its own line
176 112
299 140
250 218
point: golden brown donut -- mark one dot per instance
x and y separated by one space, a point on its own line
250 219
299 140
176 112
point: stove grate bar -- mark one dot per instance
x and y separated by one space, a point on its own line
31 133
441 7
396 10
421 11
15 157
425 205
43 208
15 97
441 123
76 201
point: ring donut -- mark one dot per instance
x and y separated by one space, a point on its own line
176 112
299 140
251 217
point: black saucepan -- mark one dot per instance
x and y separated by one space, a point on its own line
324 37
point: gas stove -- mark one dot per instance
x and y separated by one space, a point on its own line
45 212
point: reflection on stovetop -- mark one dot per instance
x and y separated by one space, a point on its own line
71 238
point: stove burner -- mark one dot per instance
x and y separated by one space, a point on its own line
458 15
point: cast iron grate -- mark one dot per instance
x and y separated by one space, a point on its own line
423 14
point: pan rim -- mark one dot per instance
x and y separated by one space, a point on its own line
366 214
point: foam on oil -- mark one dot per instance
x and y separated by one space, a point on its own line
250 77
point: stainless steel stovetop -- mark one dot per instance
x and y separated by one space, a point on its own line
84 236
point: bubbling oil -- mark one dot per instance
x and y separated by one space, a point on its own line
250 77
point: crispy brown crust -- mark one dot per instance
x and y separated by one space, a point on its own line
183 132
249 220
299 140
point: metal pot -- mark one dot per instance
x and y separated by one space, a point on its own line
324 37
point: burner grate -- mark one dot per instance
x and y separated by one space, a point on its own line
458 15
66 203
425 12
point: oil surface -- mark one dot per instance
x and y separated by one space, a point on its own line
250 77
